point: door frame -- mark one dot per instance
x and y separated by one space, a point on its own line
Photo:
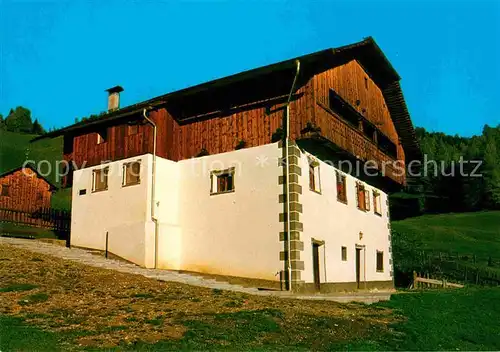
316 263
360 266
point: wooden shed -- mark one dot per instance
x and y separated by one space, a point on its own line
24 189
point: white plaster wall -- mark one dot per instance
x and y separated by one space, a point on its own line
168 214
338 224
233 233
120 211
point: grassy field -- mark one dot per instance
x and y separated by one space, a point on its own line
460 247
465 233
15 148
48 304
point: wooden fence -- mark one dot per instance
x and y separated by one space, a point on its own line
51 219
466 268
419 281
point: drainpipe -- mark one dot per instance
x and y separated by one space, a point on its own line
287 175
153 186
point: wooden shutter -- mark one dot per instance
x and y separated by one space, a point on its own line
357 195
312 183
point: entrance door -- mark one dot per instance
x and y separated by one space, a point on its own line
358 267
315 248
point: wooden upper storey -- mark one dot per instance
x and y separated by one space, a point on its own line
339 98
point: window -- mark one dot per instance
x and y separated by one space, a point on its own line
5 190
380 261
131 173
341 188
222 181
133 129
102 136
314 184
362 197
377 205
343 253
100 180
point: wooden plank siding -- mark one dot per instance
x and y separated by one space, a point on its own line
26 191
352 83
185 128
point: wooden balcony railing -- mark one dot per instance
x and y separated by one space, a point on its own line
335 129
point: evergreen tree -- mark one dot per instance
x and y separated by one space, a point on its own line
19 120
37 128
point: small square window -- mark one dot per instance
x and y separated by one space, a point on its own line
222 181
314 181
380 261
341 188
344 253
102 136
377 204
131 173
100 179
5 190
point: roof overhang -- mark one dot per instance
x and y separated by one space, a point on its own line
366 52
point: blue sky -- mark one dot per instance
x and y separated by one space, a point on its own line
58 57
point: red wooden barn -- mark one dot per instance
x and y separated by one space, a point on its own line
24 189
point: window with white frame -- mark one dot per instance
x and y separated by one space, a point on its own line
362 197
377 204
341 188
314 180
131 173
222 181
100 179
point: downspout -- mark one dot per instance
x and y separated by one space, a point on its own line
287 175
153 186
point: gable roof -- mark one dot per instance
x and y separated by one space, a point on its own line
29 166
367 52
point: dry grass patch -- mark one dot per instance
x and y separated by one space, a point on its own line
90 306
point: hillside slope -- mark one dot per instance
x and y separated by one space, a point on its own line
15 148
450 244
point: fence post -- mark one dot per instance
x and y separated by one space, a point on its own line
444 283
415 279
106 244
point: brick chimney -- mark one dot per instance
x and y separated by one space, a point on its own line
114 98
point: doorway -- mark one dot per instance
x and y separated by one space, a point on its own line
315 248
358 267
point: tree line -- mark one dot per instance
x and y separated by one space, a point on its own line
19 120
464 177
